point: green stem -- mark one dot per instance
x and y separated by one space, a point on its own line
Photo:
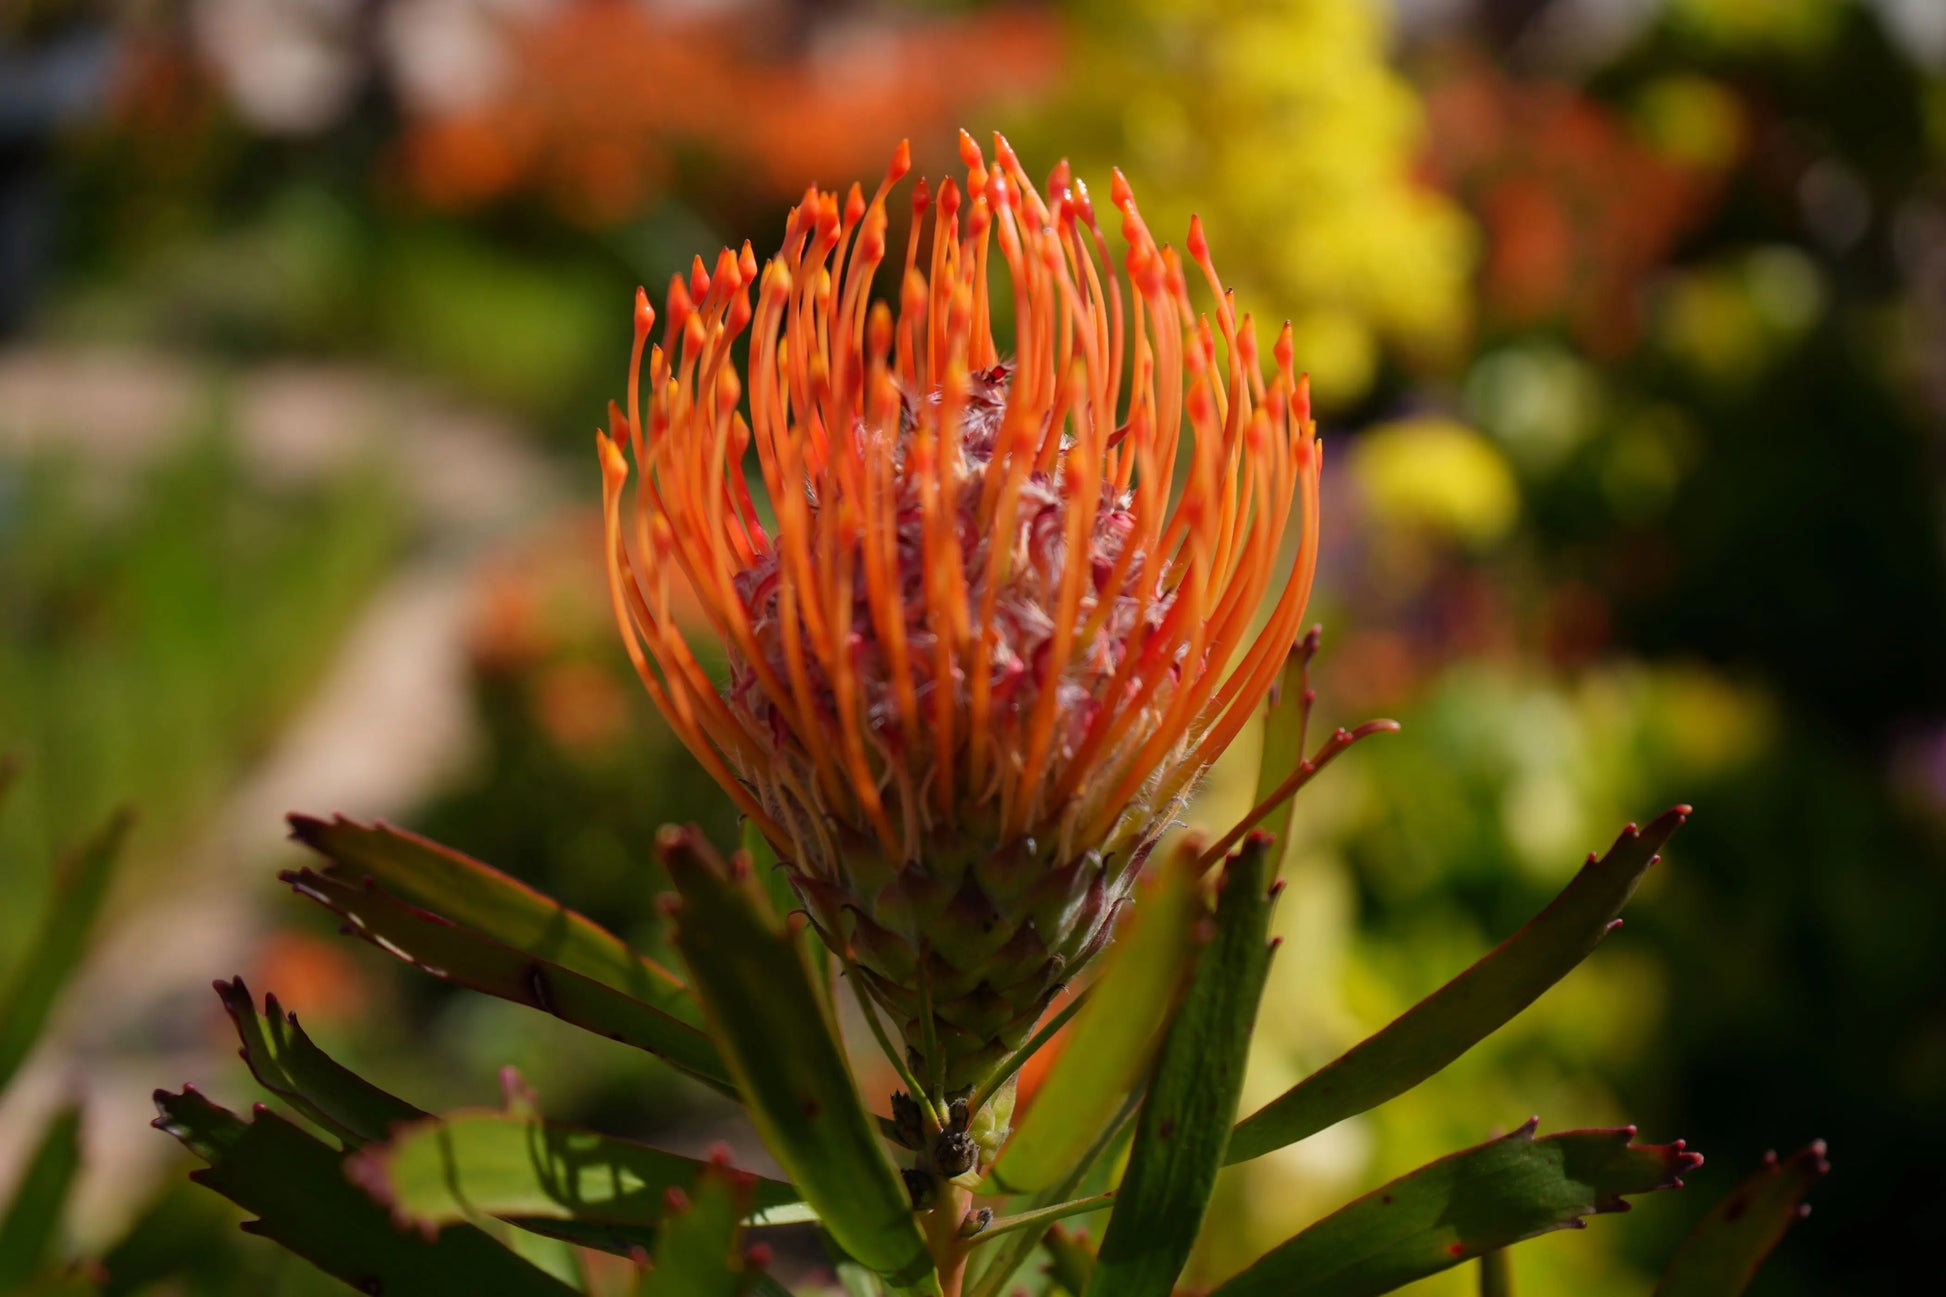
1042 1215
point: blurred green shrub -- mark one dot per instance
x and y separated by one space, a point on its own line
160 625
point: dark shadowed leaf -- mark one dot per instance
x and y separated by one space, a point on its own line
465 957
782 1050
286 1063
296 1187
1467 1009
1722 1254
30 1229
432 877
1461 1207
60 939
1185 1121
489 1162
1113 1037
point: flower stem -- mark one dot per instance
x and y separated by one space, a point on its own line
942 1237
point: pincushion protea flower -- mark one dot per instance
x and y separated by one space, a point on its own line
1006 608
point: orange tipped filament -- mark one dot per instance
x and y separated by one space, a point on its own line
996 595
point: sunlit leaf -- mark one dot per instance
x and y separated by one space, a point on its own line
490 1162
286 1063
1113 1037
1461 1207
782 1050
1185 1121
465 957
296 1187
1722 1254
1467 1009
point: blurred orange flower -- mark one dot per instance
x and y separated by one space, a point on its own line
599 98
1577 207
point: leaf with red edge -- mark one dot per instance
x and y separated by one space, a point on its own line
1722 1254
286 1063
466 957
492 1162
1461 1207
1468 1009
296 1188
698 1252
475 895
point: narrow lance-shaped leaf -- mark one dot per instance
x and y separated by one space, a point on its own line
1461 1207
457 954
1722 1254
995 1266
782 1049
61 938
1185 1122
1467 1009
1113 1037
475 895
30 1228
286 1063
1287 717
491 1162
296 1187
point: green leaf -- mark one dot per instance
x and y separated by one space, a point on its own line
80 886
857 1281
461 955
1070 1261
782 1049
31 1228
1721 1255
1096 1163
286 1063
296 1187
1467 1009
475 895
1462 1206
488 1162
1287 716
697 1253
1185 1122
1113 1037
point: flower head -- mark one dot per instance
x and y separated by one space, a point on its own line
1003 608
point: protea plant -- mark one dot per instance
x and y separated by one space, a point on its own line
989 612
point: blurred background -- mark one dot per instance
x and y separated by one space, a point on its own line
1627 320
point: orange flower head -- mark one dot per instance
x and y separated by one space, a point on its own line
1001 609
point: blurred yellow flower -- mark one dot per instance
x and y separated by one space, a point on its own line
1291 133
1437 475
